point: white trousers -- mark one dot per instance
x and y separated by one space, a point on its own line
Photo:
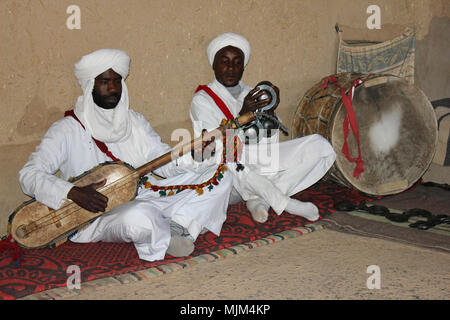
145 220
285 169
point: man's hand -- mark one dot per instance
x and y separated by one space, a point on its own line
251 102
207 149
88 197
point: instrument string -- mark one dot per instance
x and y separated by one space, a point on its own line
52 218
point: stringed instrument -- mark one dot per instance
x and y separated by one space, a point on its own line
34 225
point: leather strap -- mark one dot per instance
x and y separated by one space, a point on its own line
222 106
101 145
350 120
237 145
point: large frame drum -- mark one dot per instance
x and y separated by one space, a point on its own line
397 130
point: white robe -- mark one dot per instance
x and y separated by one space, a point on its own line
69 148
281 169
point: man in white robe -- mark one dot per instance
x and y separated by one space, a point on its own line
295 165
154 224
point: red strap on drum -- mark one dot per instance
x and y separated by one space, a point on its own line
101 145
349 119
222 106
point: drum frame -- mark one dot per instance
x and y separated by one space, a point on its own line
317 112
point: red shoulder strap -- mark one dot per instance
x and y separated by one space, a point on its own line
101 145
222 106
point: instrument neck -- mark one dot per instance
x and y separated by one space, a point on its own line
179 151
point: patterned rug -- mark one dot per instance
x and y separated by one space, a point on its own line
45 269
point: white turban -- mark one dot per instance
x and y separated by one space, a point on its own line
225 40
97 62
111 125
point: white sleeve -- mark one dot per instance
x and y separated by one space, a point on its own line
37 178
157 148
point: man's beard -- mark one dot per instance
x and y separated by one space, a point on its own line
106 102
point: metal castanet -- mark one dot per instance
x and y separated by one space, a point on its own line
34 225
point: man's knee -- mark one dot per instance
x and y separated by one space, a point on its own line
317 143
136 216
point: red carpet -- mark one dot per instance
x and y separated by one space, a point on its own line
43 269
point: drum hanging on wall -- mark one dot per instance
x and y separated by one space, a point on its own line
396 125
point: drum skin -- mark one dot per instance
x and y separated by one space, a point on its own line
397 130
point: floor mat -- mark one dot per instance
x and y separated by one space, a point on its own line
365 224
432 197
429 197
44 269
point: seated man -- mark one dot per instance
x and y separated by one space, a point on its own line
302 161
154 224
